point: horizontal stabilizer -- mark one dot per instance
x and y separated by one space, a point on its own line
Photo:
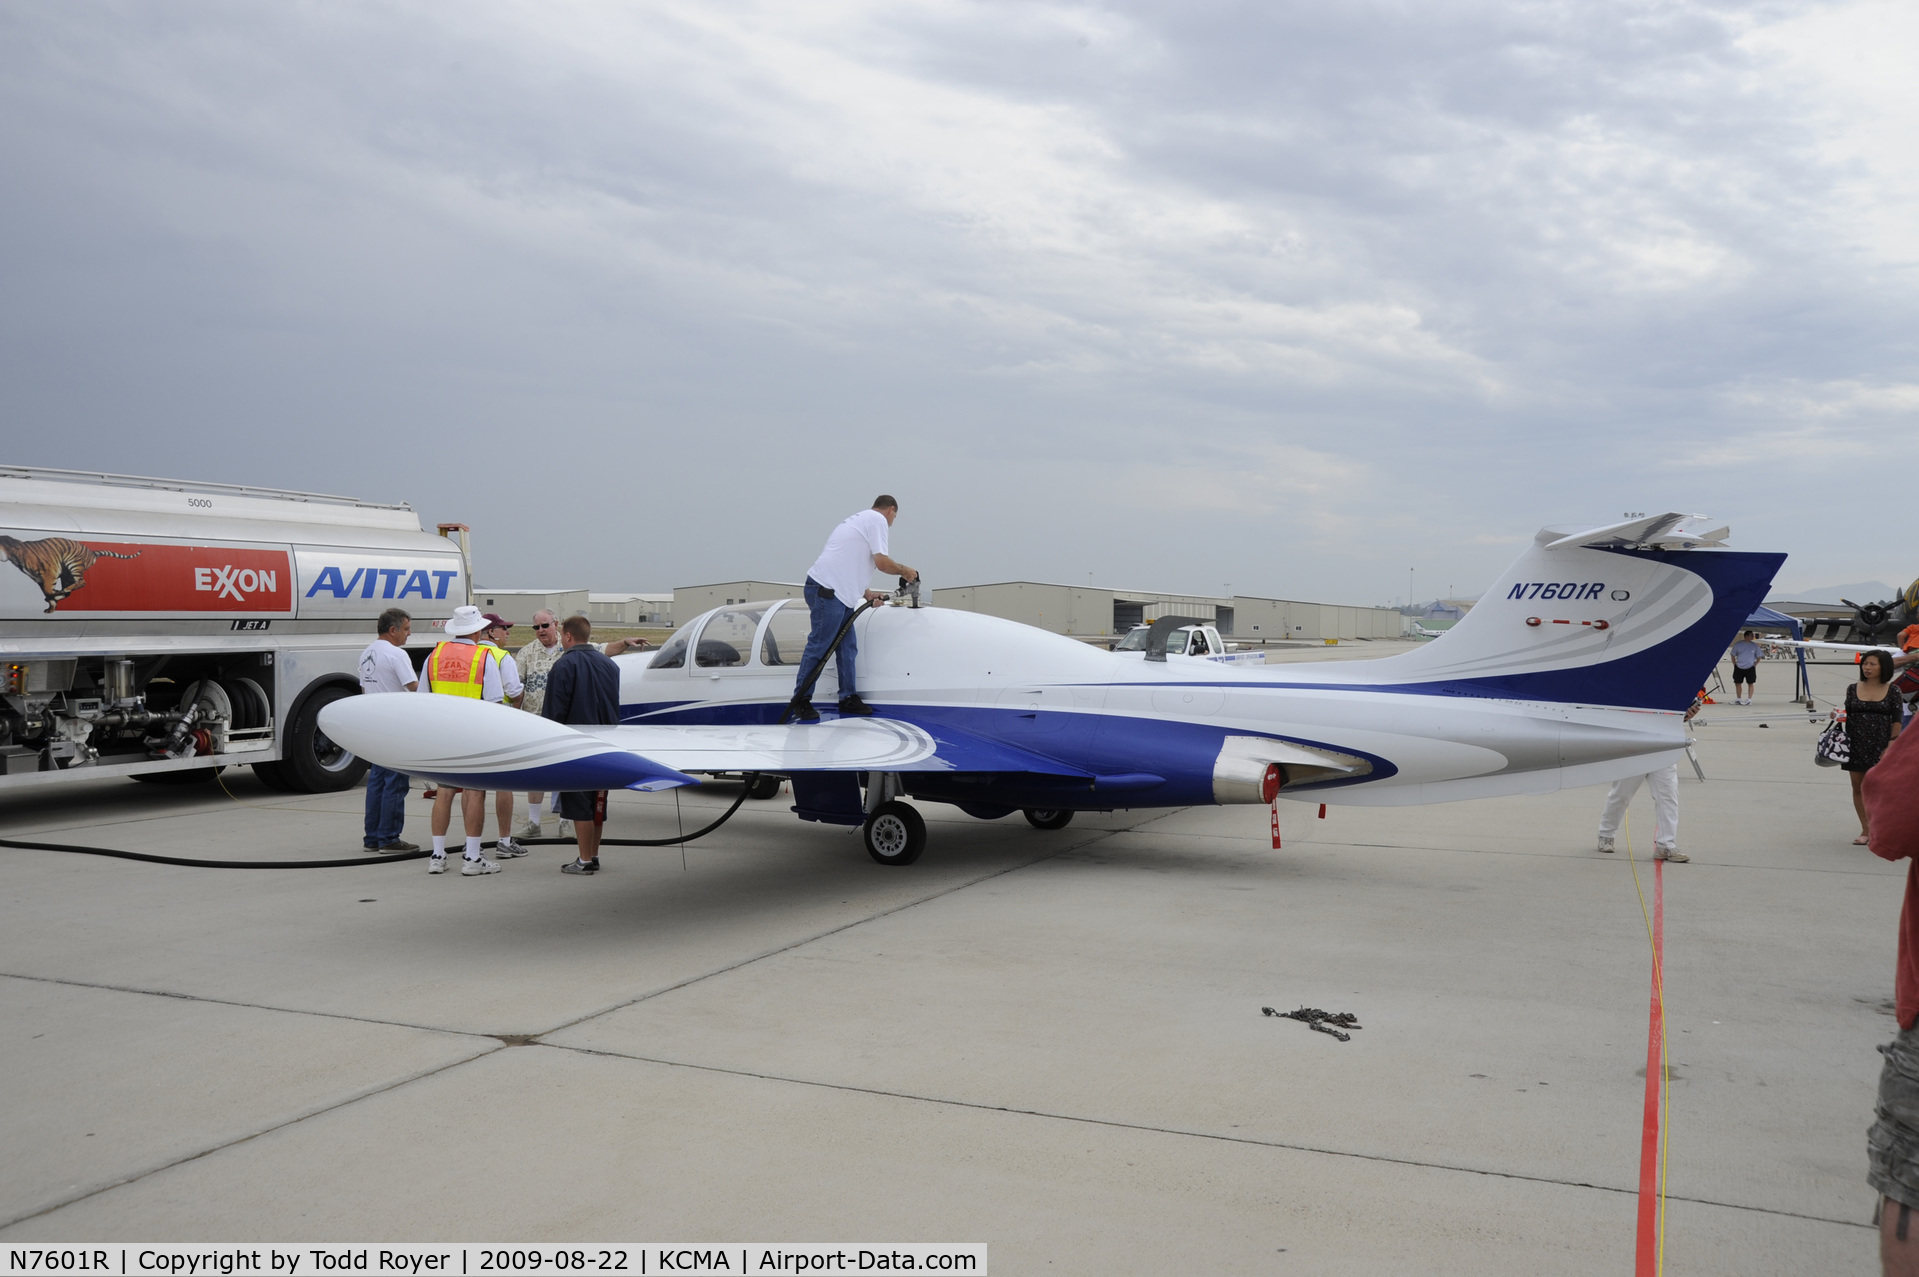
1660 531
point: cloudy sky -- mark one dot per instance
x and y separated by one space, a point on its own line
1289 298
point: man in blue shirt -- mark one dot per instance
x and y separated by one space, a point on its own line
1745 660
583 688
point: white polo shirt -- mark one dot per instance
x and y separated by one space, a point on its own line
385 668
845 566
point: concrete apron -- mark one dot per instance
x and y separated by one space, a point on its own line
1050 1042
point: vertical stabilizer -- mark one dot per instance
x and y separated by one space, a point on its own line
1634 615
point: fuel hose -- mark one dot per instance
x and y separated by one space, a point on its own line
20 844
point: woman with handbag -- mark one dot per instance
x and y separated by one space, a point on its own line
1873 712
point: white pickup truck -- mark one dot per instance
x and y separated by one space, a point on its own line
1192 640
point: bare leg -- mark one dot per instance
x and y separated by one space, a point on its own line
587 832
473 808
442 811
503 812
1898 1239
1859 800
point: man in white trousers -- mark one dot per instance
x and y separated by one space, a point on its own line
1665 808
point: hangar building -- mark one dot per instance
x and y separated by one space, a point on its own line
1085 612
518 606
691 600
630 609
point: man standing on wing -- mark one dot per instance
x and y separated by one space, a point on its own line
835 586
583 689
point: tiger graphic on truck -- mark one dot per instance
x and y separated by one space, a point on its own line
55 564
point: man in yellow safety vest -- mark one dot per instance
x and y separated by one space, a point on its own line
462 666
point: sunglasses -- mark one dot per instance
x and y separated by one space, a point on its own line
544 625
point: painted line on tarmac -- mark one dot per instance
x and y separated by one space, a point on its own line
248 1006
295 1120
500 1043
803 941
1115 1124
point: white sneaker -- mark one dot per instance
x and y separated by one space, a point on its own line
1672 854
508 849
566 829
436 864
1605 844
474 868
527 829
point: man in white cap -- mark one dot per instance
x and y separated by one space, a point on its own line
462 666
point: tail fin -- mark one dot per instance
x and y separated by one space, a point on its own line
1631 615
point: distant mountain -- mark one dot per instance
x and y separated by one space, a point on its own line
1857 591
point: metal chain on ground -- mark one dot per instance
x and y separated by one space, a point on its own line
1321 1021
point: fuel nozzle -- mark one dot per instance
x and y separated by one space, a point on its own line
908 593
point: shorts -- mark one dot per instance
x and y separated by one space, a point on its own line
1892 1145
1745 675
584 804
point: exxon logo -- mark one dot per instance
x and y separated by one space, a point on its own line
230 582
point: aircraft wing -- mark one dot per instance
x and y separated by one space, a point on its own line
1840 647
484 746
840 744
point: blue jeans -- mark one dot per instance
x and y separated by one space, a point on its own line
828 616
385 805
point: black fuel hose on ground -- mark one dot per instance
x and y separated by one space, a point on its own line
656 842
22 845
213 864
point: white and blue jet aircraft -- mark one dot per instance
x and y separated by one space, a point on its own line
1576 668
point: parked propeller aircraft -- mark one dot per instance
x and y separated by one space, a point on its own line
1576 668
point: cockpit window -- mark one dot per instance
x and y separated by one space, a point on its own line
785 639
673 655
727 639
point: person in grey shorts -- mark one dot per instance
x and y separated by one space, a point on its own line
1891 795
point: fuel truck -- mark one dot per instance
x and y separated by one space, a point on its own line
163 630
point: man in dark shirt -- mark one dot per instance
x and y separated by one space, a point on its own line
583 688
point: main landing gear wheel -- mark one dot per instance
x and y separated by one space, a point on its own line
763 787
895 834
1047 818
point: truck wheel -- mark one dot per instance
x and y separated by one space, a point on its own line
1046 818
764 787
272 777
895 834
313 763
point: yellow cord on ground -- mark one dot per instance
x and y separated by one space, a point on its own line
323 811
1665 1068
